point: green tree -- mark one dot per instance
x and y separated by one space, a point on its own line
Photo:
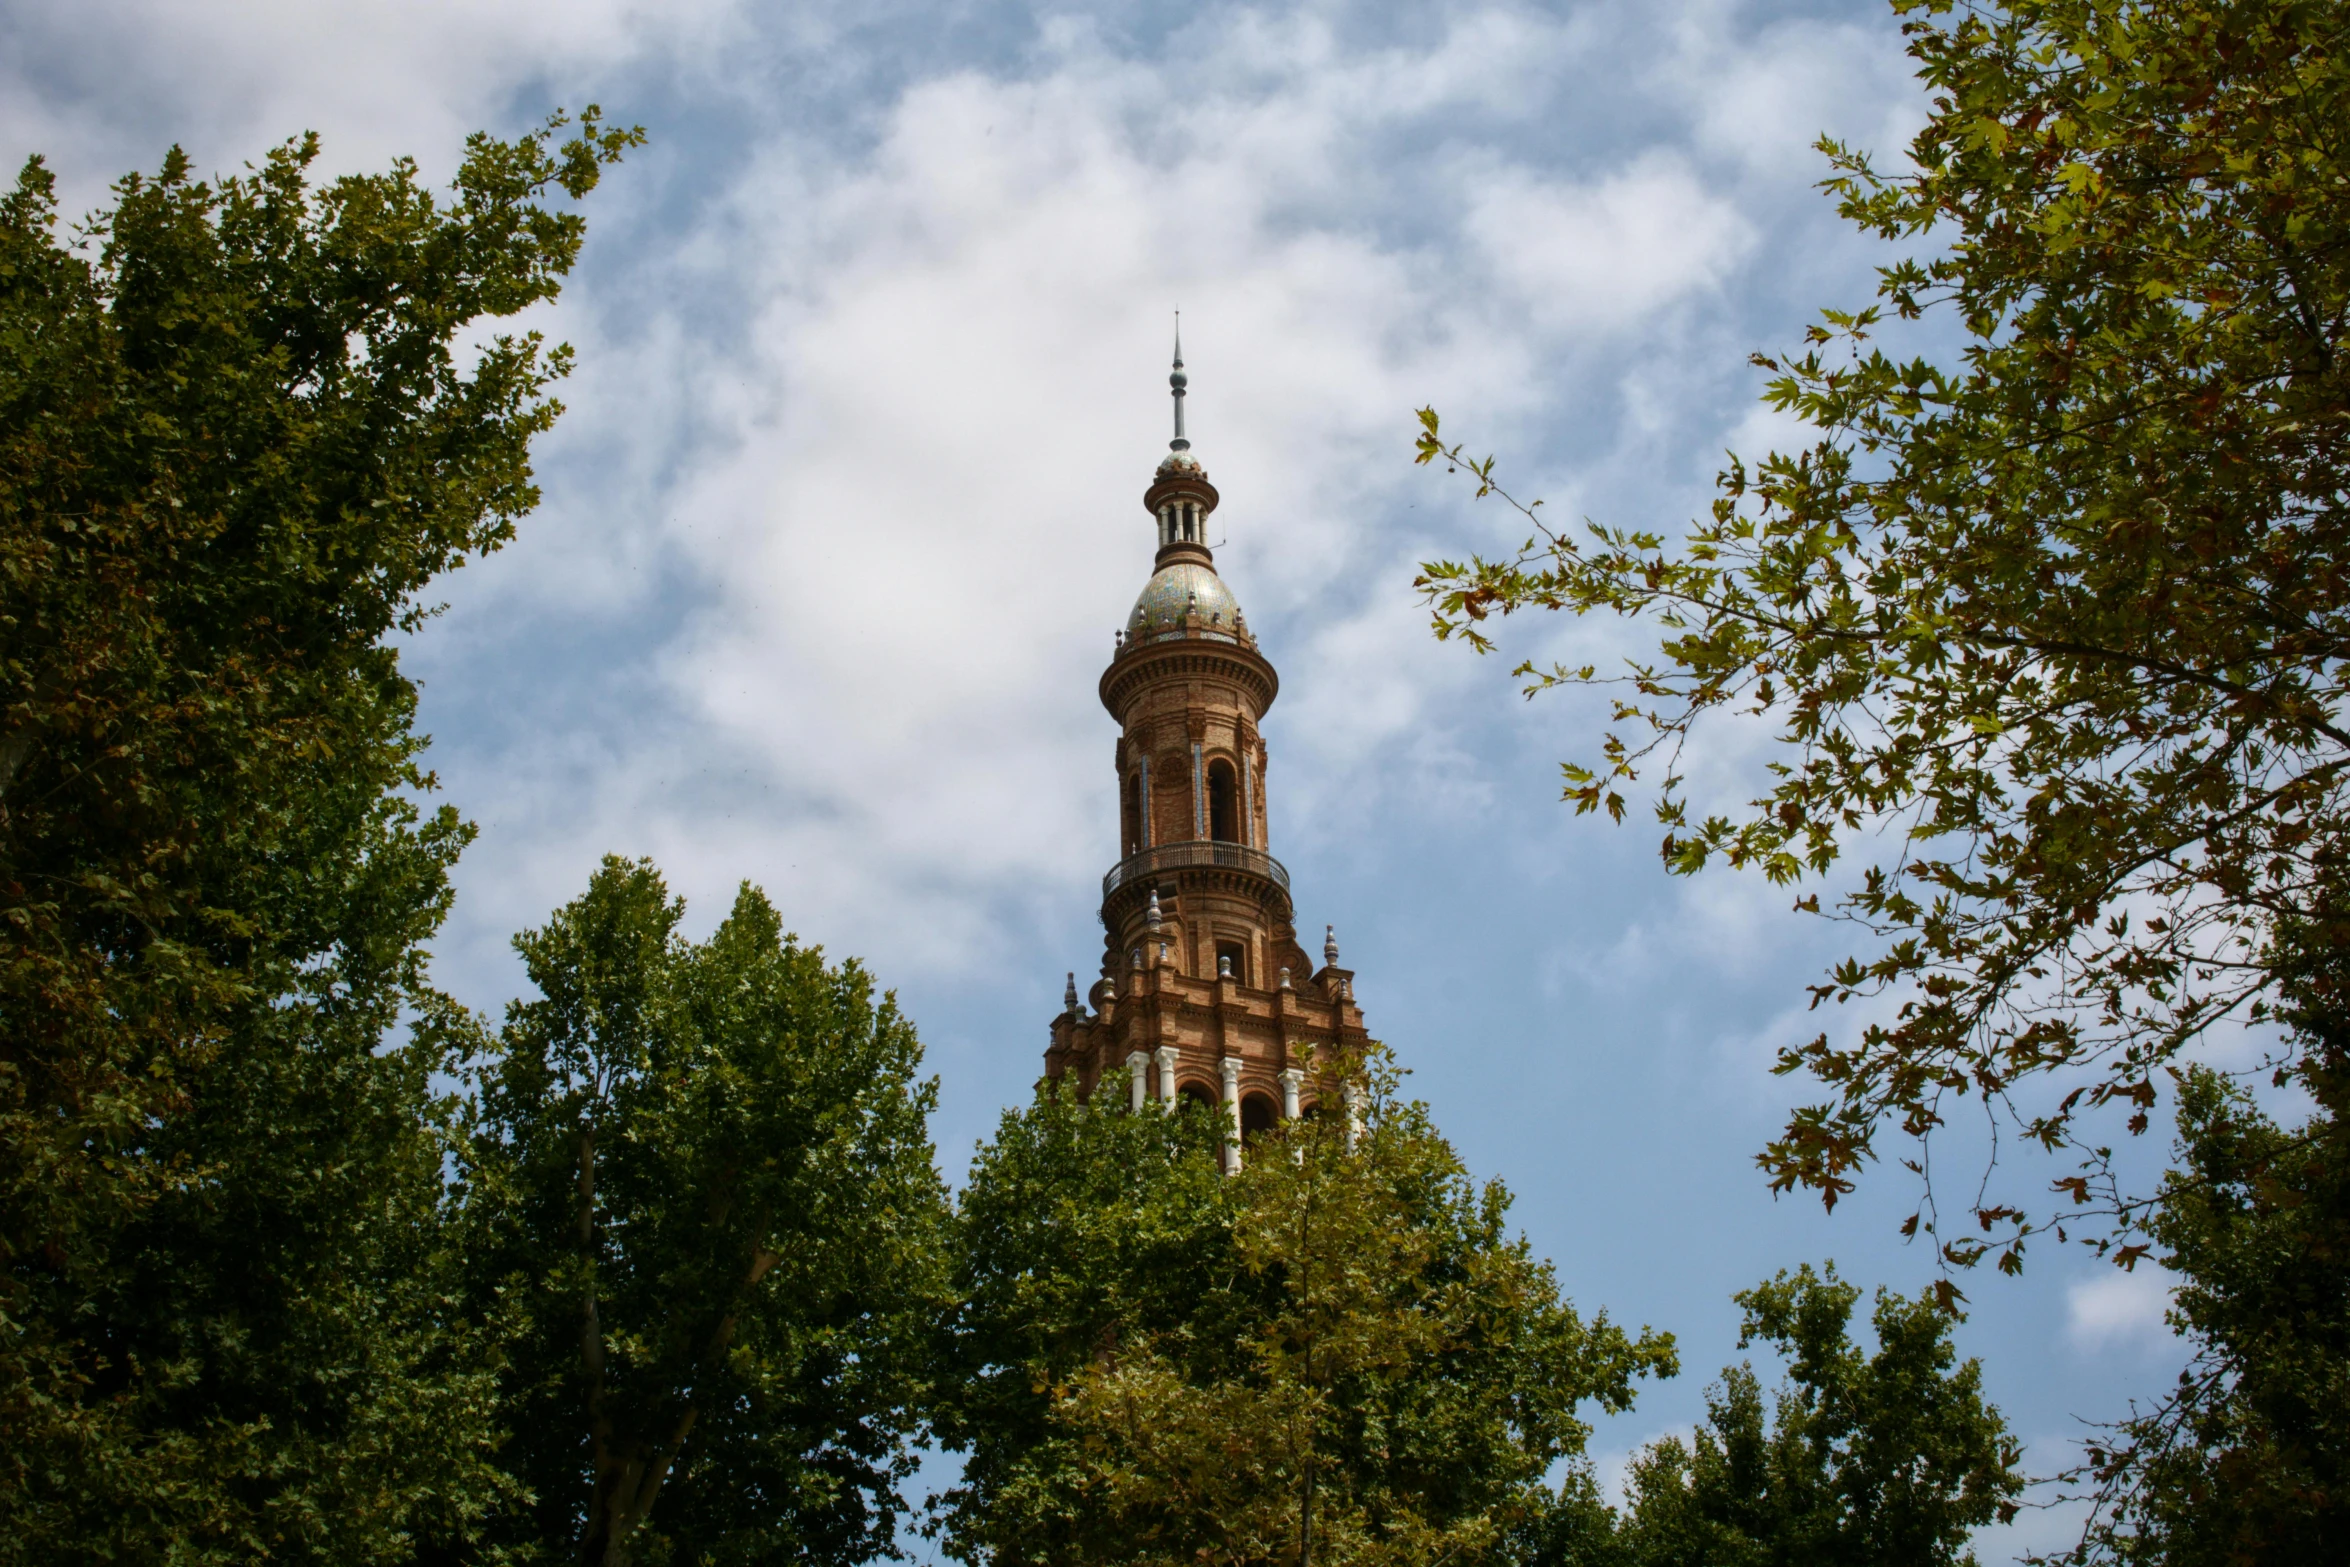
238 435
2247 1458
2066 615
1890 1459
1077 1227
699 1179
1337 1356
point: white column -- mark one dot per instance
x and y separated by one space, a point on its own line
1199 785
1138 1066
1166 1055
1230 1066
1292 1080
1353 1096
1248 799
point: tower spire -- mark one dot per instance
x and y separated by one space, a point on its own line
1178 380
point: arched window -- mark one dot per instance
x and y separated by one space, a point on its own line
1232 959
1198 1093
1134 812
1223 802
1258 1114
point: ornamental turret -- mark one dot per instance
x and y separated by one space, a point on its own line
1204 991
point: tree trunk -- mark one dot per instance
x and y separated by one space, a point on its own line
625 1492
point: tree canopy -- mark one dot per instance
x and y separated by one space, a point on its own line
1867 1459
1338 1355
700 1181
240 431
2247 1456
2053 631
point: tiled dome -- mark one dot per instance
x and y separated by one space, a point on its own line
1167 597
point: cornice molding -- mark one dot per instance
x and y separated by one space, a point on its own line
1188 658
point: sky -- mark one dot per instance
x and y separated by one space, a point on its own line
845 508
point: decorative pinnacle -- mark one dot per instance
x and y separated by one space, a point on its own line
1178 380
1330 945
1157 921
1069 995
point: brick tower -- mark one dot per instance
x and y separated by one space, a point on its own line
1204 991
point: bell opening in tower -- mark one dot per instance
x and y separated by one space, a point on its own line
1223 802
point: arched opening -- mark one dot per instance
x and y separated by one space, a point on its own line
1196 1092
1258 1115
1223 802
1134 812
1232 959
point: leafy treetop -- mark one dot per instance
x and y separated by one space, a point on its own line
2064 624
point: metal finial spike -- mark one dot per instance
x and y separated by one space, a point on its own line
1178 381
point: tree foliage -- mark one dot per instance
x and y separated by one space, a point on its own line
2247 1458
699 1180
238 435
1337 1356
1867 1460
2063 620
1076 1226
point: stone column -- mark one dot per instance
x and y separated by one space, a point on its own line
1166 1056
1138 1066
1292 1080
1247 803
1230 1066
1199 789
1353 1095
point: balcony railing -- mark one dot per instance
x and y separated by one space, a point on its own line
1190 856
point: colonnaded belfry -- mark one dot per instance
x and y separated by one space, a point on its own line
1204 991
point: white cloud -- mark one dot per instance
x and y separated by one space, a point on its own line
866 543
922 519
1605 255
105 85
1764 100
2119 1310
